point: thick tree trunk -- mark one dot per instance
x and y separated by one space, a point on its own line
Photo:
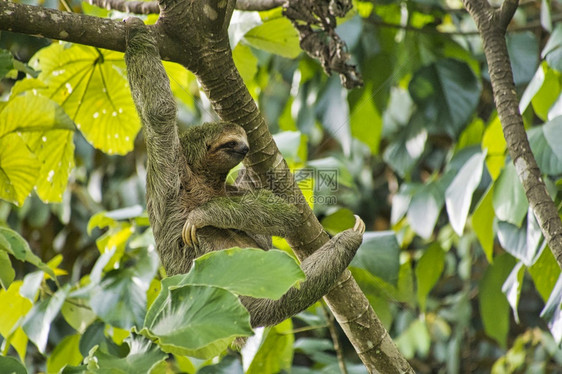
492 26
194 33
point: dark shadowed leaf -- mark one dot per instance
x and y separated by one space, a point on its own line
11 365
447 92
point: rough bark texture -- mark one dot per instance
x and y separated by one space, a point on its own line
492 25
194 33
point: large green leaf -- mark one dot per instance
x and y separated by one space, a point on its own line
47 132
380 255
428 271
510 202
458 195
276 36
493 302
196 320
447 91
251 272
38 321
90 85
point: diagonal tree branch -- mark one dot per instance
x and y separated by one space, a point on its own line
492 25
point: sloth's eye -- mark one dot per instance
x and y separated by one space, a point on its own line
230 144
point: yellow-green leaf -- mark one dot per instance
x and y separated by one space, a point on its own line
33 113
18 169
55 151
90 85
276 36
65 353
14 308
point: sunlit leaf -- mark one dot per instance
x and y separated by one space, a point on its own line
366 121
458 195
55 151
547 94
276 36
15 307
245 61
90 85
65 353
544 273
18 169
482 223
493 143
493 302
428 271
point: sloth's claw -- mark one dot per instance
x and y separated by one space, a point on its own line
359 224
188 234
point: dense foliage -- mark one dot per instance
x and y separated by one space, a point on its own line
454 263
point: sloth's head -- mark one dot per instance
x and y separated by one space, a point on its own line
214 148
